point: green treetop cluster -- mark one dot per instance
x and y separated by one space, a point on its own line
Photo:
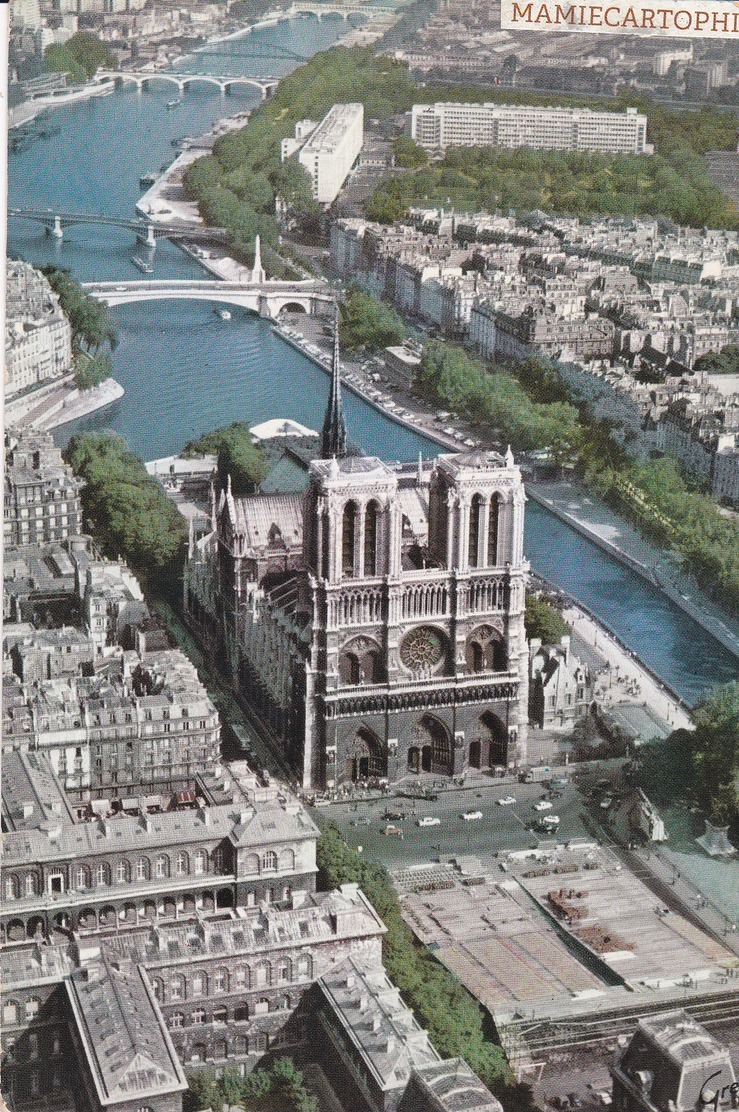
543 620
700 764
238 457
277 1088
92 326
474 179
497 402
127 510
724 362
368 325
453 1019
80 57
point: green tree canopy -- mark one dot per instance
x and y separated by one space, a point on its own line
80 57
128 511
92 323
238 456
724 362
367 324
543 620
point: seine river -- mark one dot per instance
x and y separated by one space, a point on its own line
186 372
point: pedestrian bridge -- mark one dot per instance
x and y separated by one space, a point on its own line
183 81
268 299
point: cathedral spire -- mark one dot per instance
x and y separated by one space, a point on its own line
333 438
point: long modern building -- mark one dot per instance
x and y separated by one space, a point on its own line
447 124
332 149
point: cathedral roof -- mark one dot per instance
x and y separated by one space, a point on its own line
269 520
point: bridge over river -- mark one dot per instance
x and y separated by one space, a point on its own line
268 298
182 81
147 231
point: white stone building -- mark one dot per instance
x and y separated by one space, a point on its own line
332 148
38 336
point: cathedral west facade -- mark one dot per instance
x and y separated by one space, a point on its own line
377 620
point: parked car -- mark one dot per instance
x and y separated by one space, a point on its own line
394 831
543 805
506 801
428 820
468 816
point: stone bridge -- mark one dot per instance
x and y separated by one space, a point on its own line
268 299
182 81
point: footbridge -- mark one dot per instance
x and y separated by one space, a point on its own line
146 231
268 298
183 81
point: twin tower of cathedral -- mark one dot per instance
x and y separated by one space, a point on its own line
376 621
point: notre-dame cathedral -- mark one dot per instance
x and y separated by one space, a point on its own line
376 621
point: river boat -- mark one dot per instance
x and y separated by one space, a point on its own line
224 314
142 265
147 179
173 103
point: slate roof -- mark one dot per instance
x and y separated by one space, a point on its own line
126 1045
451 1086
384 1032
256 515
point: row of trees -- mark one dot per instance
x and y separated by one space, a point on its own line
92 324
496 402
238 457
128 512
278 1087
454 1020
368 325
702 764
473 179
79 57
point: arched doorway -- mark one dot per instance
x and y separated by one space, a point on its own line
489 743
365 758
432 739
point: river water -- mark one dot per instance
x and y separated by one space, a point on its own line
186 372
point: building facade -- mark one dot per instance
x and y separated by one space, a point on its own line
332 149
38 336
42 495
378 621
446 124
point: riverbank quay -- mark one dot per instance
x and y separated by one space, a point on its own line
59 402
590 517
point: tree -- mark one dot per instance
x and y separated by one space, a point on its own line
92 323
238 457
91 370
408 154
80 57
367 324
129 513
200 176
716 752
544 621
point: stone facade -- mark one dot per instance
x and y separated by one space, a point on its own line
379 625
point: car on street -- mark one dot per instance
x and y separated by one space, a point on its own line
428 820
543 805
506 801
548 822
606 803
393 831
469 816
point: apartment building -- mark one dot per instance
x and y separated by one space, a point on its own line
38 336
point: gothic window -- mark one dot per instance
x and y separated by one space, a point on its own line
177 989
304 967
10 1012
348 538
493 531
423 650
123 872
162 866
102 874
474 535
199 862
269 861
143 869
198 1016
371 517
220 982
183 864
199 984
12 888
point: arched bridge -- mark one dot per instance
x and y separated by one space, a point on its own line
182 81
147 232
268 299
346 11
